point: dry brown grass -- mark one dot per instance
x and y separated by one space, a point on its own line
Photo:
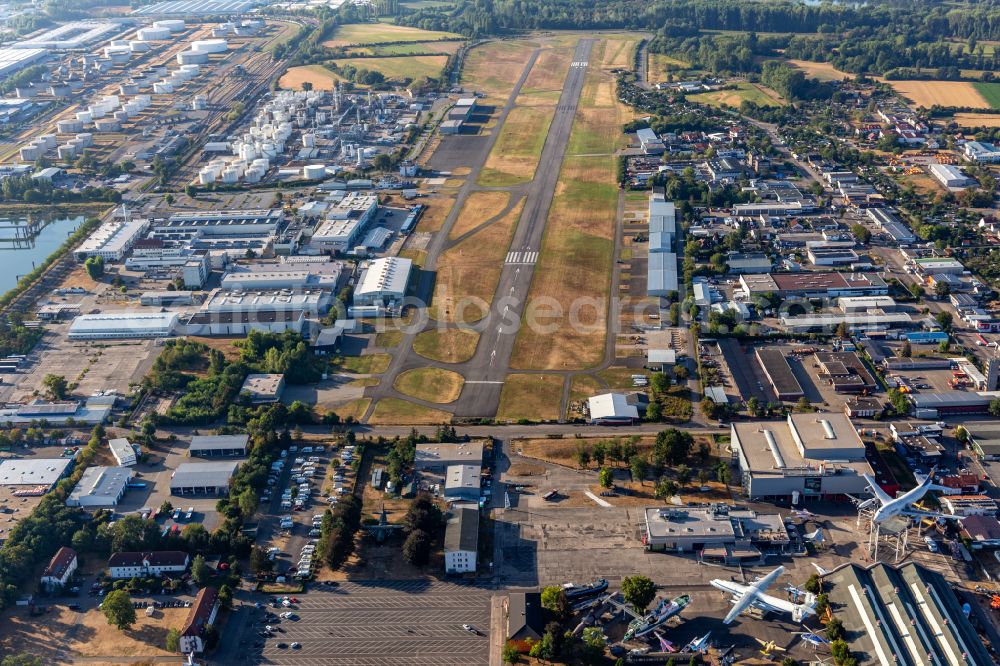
478 207
448 345
619 53
823 71
661 65
471 270
430 384
393 411
319 76
531 397
89 636
493 68
549 71
438 207
515 155
977 120
944 93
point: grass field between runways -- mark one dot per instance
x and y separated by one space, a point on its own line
447 345
478 207
431 384
493 68
515 155
395 411
471 270
530 397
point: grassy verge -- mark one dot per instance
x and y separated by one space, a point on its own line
431 384
527 397
369 364
452 345
393 411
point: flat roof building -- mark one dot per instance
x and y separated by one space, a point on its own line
123 324
123 451
779 373
815 455
283 276
113 239
890 223
209 478
661 274
312 302
251 222
461 541
612 408
264 387
814 284
650 143
100 487
230 323
845 372
982 152
69 36
906 615
438 456
208 446
41 472
719 531
384 281
345 221
462 482
950 175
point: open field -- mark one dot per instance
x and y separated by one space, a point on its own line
823 71
478 207
409 48
549 70
319 76
750 92
943 93
87 634
515 155
403 67
448 345
660 65
438 207
977 119
531 397
619 53
354 409
431 384
380 33
494 67
468 273
990 92
369 364
393 411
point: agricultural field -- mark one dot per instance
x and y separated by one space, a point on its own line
977 119
990 92
530 397
494 68
943 93
319 76
381 33
468 273
575 262
409 48
750 92
823 71
402 67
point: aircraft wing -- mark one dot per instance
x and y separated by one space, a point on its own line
876 489
741 605
766 581
928 514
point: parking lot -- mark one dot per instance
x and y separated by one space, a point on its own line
416 623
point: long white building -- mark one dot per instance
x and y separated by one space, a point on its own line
383 281
113 240
125 324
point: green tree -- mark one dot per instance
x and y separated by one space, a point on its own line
169 199
638 591
190 190
944 320
117 608
704 476
201 573
665 489
962 435
639 466
582 455
672 447
21 660
683 473
594 643
723 473
95 267
172 643
554 599
259 562
417 548
753 407
862 233
906 351
56 386
814 585
835 629
900 403
681 372
510 654
166 507
600 453
604 478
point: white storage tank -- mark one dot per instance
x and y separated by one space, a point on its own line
86 139
309 140
199 103
67 151
84 116
107 125
191 57
230 175
194 69
121 57
129 89
69 126
47 141
314 171
163 88
261 163
138 47
172 25
268 150
209 46
121 116
207 176
97 111
252 175
154 34
30 152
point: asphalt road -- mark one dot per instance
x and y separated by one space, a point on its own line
488 368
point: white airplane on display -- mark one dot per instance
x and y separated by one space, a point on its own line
901 506
745 596
698 644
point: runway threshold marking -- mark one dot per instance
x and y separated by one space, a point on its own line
524 258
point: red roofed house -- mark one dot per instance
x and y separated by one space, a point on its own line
60 569
202 614
133 565
959 484
983 531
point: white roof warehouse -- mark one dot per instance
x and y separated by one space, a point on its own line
125 324
208 478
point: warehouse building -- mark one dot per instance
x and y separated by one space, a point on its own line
113 240
950 175
12 60
651 144
345 222
69 36
461 541
100 487
748 262
611 409
438 456
210 478
210 446
384 281
311 302
283 276
251 222
981 152
718 531
984 437
94 410
124 324
166 298
779 373
950 403
768 209
43 473
905 615
814 284
845 372
123 451
661 269
462 483
829 321
241 323
263 388
811 455
890 223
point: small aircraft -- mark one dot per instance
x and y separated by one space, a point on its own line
769 647
642 625
901 506
804 514
698 644
665 645
745 596
813 639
